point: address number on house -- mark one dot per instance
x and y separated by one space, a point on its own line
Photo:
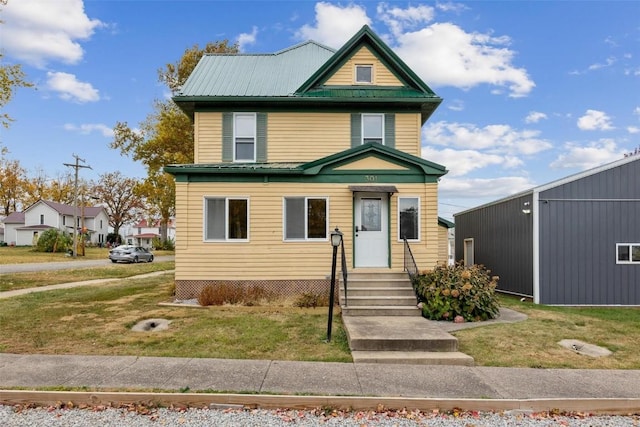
371 178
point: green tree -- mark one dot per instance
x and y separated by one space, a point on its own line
165 136
11 78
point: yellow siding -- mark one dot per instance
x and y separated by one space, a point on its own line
267 256
371 163
443 245
345 76
408 133
208 137
301 137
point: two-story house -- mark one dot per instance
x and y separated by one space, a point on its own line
145 231
24 228
290 146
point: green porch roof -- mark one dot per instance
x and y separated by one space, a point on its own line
316 167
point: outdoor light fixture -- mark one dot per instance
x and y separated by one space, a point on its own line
526 208
336 238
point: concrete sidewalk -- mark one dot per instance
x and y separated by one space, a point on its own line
318 378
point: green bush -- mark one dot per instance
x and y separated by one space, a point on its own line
54 240
450 291
165 245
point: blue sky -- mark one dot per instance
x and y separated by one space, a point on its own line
533 90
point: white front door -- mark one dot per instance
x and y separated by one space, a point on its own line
371 242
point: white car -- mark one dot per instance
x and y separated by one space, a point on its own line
130 253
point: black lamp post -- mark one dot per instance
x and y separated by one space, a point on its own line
336 240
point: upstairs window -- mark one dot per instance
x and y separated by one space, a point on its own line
305 218
628 253
244 137
373 128
364 74
41 219
226 219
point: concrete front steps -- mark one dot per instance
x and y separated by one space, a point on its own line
378 294
384 325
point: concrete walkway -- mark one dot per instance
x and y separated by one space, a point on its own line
482 388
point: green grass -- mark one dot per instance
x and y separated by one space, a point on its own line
97 321
534 343
13 281
26 254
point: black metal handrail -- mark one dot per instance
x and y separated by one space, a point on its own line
410 265
345 274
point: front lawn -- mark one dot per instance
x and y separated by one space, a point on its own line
26 254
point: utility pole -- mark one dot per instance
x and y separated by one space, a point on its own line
77 166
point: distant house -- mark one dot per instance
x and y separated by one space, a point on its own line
144 232
24 228
575 241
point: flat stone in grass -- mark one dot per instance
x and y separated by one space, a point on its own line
151 325
587 349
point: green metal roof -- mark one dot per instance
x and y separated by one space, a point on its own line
295 77
255 75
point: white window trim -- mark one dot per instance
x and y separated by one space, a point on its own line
469 243
419 219
362 116
255 137
355 74
306 207
226 219
629 245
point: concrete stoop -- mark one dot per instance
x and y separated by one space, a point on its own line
384 324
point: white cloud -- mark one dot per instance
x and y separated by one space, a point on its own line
400 20
441 53
88 128
636 111
246 39
535 117
608 63
334 24
444 54
595 120
462 162
70 88
456 105
39 31
589 156
633 129
495 139
492 188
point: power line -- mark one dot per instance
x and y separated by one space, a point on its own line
76 166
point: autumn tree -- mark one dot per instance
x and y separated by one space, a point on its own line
12 183
11 78
117 193
166 135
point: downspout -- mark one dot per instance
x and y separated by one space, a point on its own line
536 246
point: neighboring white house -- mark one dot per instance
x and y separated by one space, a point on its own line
143 233
24 228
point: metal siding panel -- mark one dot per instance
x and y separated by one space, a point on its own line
503 242
227 137
390 130
356 138
582 235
